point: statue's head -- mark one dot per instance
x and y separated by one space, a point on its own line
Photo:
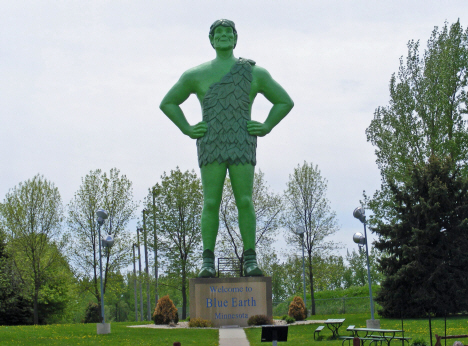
220 28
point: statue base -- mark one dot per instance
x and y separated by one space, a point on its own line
230 301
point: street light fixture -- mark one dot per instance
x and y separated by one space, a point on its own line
300 231
107 241
361 240
102 215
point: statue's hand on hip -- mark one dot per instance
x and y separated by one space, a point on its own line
256 128
198 130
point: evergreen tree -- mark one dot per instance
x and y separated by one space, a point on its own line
421 141
425 263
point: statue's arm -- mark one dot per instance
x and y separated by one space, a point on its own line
170 105
273 92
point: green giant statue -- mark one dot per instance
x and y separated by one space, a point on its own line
227 137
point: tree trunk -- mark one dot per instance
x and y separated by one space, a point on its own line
242 266
311 280
35 299
184 293
96 291
106 270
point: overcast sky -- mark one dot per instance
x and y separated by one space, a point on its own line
81 82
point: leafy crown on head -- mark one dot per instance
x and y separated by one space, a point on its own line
223 22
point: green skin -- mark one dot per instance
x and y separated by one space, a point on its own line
197 81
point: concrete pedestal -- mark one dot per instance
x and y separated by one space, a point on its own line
230 301
103 328
373 324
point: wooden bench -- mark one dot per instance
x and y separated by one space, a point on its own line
438 338
317 331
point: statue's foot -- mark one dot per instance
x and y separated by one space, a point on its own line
250 264
208 268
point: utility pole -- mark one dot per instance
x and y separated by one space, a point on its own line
139 268
148 303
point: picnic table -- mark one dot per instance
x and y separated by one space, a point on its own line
334 325
384 334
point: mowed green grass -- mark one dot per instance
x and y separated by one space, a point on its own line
414 328
85 334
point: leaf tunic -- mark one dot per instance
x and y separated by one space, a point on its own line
226 110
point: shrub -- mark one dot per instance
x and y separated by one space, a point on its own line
297 309
284 317
290 319
92 313
165 312
419 342
199 323
158 319
258 320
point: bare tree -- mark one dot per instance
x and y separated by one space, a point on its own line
113 193
307 206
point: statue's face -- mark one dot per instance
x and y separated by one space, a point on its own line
223 38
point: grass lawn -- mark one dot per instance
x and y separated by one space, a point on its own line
414 328
85 334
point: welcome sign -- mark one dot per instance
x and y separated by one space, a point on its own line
230 301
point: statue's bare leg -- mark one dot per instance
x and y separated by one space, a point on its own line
213 176
242 179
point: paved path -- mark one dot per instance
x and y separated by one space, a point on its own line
232 337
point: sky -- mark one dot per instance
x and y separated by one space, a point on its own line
81 82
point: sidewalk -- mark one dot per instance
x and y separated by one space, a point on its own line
232 337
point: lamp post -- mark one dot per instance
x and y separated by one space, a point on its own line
361 240
135 284
300 231
139 274
155 246
102 215
148 304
